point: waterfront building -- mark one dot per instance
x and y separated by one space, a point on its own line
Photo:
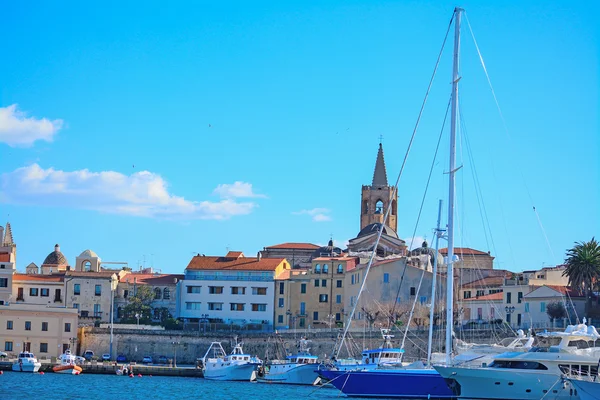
314 297
39 289
8 255
483 309
231 289
44 330
164 287
299 255
538 300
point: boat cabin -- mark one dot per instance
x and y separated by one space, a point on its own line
302 359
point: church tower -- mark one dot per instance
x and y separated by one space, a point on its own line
376 198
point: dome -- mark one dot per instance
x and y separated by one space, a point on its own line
424 249
374 228
327 251
88 254
55 258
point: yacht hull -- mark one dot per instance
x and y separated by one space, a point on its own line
67 369
293 374
496 384
405 383
586 390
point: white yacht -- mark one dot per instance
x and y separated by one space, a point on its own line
237 366
67 364
26 362
296 369
531 375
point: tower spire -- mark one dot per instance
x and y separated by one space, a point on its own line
380 175
8 237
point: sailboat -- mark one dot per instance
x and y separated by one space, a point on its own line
416 381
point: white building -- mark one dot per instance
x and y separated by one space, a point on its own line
537 301
233 289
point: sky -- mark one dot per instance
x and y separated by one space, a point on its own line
152 131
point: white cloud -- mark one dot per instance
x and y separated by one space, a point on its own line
317 214
235 190
143 194
16 129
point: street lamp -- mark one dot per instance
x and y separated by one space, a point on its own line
137 315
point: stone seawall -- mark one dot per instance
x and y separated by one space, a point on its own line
135 344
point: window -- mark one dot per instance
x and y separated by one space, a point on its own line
413 291
467 294
45 292
302 322
97 311
261 291
192 289
8 346
479 313
325 268
340 269
543 306
193 305
238 290
9 325
508 318
87 266
386 278
20 294
339 283
280 319
480 293
44 327
215 289
3 282
526 307
338 299
76 305
317 268
379 207
67 327
303 288
315 316
352 280
237 306
316 283
508 297
338 317
520 297
259 307
27 325
57 297
215 306
77 290
98 290
422 299
125 293
43 347
324 282
281 288
33 291
167 293
281 302
323 298
302 308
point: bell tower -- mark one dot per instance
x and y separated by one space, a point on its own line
376 198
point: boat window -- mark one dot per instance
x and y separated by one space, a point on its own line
580 344
293 360
517 364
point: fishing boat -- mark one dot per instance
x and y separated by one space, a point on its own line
237 366
26 362
67 364
296 369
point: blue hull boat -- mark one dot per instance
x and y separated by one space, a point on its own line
405 383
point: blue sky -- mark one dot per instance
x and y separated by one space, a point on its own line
125 127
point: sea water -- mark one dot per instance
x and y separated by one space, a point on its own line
50 386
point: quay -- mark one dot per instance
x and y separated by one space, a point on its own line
111 369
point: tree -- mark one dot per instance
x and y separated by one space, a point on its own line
556 310
139 304
583 268
370 316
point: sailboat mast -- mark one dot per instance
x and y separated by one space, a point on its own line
438 233
454 117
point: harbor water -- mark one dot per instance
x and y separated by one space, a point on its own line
51 386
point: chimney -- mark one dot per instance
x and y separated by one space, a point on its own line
258 256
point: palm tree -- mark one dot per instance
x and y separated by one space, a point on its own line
583 268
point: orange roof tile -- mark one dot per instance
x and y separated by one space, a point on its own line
151 279
565 290
485 282
238 264
493 296
465 250
38 278
4 257
85 274
296 246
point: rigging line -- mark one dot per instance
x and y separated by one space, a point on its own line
506 131
412 310
395 190
437 147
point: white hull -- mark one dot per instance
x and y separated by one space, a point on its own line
26 367
586 390
293 374
238 372
496 384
